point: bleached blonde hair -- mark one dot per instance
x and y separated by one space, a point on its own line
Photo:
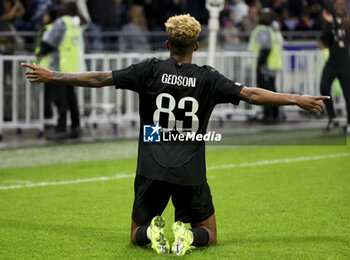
183 31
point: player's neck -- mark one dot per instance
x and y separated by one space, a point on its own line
182 59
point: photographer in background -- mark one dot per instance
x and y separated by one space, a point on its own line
336 37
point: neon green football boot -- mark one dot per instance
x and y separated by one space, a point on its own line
156 232
183 239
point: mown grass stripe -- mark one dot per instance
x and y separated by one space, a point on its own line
129 175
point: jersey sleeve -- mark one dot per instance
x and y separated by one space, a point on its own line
134 76
224 90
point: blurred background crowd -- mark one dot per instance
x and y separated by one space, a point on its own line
138 25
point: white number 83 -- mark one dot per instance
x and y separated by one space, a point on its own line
172 122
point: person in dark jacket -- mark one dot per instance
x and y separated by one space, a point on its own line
336 37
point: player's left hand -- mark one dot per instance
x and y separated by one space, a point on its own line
312 103
38 73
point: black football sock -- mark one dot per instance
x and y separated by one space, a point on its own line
200 236
141 236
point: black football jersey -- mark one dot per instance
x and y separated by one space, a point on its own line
179 99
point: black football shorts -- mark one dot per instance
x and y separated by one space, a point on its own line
192 204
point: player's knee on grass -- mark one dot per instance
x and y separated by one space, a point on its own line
212 237
141 237
201 237
204 233
138 234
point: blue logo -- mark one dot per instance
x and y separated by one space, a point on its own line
151 133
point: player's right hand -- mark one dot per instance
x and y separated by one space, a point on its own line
38 73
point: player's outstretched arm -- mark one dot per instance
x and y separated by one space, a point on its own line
92 79
258 96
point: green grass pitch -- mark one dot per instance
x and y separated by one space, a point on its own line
272 202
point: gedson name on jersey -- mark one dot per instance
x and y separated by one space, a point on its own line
178 80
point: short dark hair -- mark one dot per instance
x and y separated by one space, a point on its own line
180 48
52 11
266 16
69 8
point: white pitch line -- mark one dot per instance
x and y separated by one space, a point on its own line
39 184
287 160
123 176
